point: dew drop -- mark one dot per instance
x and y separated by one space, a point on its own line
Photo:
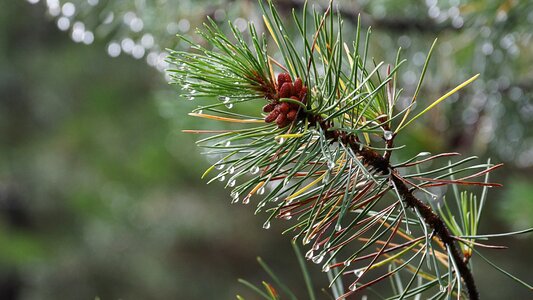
309 254
442 288
246 200
287 215
219 166
190 98
200 112
227 144
235 197
223 98
276 199
347 263
222 178
338 227
387 135
266 225
316 247
261 191
353 287
231 170
231 183
254 170
192 92
358 272
331 164
326 268
281 141
423 154
318 259
229 105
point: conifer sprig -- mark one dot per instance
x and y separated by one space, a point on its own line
318 151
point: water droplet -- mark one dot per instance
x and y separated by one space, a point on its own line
276 199
186 86
309 254
200 112
261 190
192 92
190 98
224 98
231 183
281 141
287 215
442 288
423 154
387 135
338 227
231 170
266 225
222 178
235 197
246 200
331 164
353 287
318 259
229 105
254 170
316 247
358 272
228 143
434 197
347 263
326 268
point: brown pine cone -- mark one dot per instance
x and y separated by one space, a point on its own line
272 116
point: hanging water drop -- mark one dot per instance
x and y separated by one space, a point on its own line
353 287
309 254
331 164
254 170
190 98
347 263
219 166
246 200
227 144
318 259
229 105
266 225
275 199
387 135
423 154
231 183
287 215
222 178
224 98
338 227
235 197
442 288
358 272
261 191
326 268
231 170
281 141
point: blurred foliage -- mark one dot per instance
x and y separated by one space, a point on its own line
99 192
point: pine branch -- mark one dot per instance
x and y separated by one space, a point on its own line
322 148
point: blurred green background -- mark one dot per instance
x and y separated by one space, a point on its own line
100 192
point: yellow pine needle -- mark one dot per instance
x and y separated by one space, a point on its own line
289 136
305 188
393 257
255 189
444 97
226 119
